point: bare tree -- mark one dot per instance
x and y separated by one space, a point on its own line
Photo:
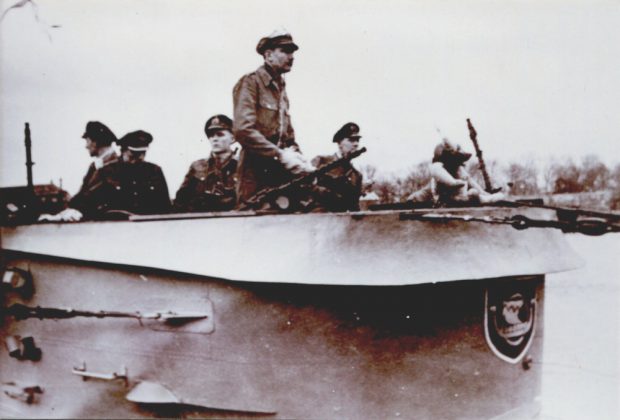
387 190
522 178
369 172
565 177
496 173
549 177
614 200
594 176
369 176
417 177
559 176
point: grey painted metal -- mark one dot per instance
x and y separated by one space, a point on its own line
366 248
276 350
357 315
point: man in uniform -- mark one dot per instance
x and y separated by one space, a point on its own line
450 182
341 188
131 184
210 183
99 139
262 124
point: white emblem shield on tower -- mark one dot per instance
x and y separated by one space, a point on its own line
510 319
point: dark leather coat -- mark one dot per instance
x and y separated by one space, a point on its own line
138 188
77 201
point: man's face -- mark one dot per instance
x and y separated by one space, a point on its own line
132 156
280 59
220 140
91 146
348 145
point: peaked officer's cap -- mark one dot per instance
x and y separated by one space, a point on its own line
137 141
218 122
99 133
348 131
279 38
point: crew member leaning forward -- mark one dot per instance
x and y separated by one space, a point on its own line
450 182
210 183
262 124
131 184
341 188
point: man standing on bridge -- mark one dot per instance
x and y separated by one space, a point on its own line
262 124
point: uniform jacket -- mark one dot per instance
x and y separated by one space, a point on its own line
262 125
208 186
138 188
77 200
342 186
440 191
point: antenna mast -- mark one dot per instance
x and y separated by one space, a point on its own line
29 161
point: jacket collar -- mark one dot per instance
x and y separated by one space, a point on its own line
107 157
268 78
214 162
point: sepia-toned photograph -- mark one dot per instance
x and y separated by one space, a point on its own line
351 209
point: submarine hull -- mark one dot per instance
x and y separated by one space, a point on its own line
318 346
290 351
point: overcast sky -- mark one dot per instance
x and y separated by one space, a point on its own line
538 78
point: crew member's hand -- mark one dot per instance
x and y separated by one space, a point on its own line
295 162
46 217
487 198
71 215
67 215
